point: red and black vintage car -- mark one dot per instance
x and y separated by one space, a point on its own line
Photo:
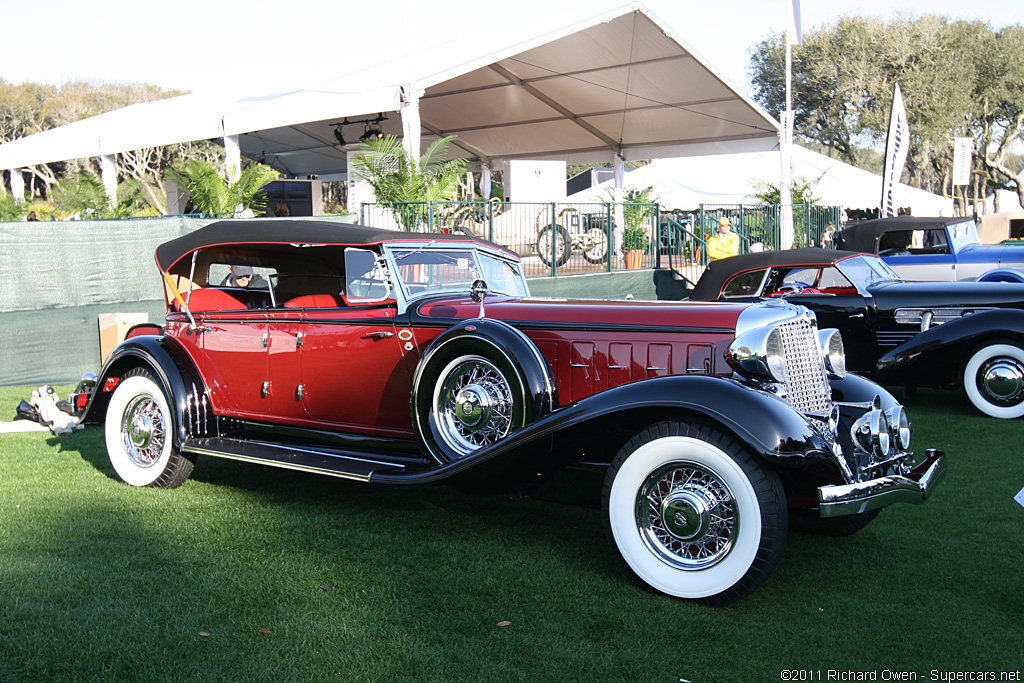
400 358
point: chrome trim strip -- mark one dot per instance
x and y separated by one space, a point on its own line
282 465
854 499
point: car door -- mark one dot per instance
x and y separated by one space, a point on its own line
235 354
354 375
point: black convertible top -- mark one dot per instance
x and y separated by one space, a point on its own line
291 231
718 272
864 236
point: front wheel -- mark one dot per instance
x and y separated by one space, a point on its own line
993 379
139 432
561 246
692 514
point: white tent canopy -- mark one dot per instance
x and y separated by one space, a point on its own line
618 84
686 183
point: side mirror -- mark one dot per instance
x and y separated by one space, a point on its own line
477 292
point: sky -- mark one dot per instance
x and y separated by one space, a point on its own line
206 46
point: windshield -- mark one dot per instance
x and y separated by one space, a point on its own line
429 269
962 234
864 270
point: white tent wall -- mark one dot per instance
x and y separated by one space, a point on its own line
686 183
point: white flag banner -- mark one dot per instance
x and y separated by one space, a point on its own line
793 34
897 143
963 150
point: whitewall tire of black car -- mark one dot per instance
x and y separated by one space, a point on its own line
993 380
692 514
139 433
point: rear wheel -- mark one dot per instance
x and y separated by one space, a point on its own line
993 379
139 432
693 515
596 250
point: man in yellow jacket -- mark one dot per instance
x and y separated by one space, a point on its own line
724 244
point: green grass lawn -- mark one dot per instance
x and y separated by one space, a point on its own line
248 573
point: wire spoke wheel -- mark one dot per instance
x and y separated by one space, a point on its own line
687 515
139 433
692 514
473 404
143 430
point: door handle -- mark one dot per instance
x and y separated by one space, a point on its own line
383 334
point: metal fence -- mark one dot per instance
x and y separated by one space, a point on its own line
565 238
552 238
684 234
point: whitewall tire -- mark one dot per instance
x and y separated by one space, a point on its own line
139 433
993 380
693 515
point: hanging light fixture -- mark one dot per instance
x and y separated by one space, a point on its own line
371 128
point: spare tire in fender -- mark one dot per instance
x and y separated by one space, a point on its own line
477 383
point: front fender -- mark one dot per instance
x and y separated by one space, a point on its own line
174 370
934 356
766 424
857 389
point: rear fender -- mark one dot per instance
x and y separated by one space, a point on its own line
174 370
934 356
1002 275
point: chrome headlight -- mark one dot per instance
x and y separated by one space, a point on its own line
833 353
759 354
872 433
900 425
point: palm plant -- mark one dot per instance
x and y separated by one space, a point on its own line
86 196
211 193
10 208
405 184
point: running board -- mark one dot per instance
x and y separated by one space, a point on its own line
346 466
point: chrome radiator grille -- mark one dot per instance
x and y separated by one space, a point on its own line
807 387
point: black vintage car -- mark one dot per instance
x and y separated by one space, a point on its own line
967 335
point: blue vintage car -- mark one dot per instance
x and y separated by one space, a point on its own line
935 249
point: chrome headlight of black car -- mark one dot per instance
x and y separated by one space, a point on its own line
833 353
760 355
871 433
900 425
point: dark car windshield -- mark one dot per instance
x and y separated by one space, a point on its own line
864 270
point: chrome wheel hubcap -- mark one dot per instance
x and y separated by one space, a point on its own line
474 405
687 515
1001 380
143 431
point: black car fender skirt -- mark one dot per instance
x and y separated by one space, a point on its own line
934 356
177 374
768 426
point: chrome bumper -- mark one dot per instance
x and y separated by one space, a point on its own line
854 499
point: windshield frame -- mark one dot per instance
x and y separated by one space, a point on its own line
866 270
483 259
